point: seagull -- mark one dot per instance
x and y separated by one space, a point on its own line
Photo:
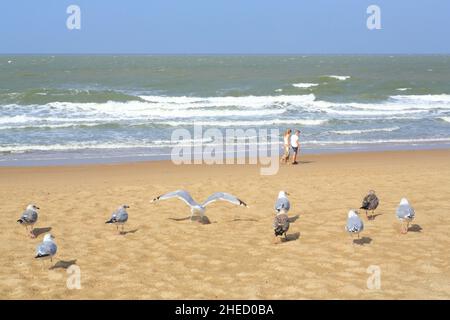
119 217
282 204
405 213
29 218
370 202
281 224
195 206
47 249
354 223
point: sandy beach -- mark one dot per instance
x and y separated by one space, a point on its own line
165 256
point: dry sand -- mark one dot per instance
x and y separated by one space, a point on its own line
165 257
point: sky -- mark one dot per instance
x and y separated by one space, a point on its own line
225 27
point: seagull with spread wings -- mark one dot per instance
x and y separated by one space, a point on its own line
200 207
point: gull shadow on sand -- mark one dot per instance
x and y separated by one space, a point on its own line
373 216
62 264
362 241
415 228
127 232
200 219
38 231
248 219
293 219
291 237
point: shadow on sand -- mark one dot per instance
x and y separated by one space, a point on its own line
62 264
38 231
199 219
362 241
415 228
291 237
127 232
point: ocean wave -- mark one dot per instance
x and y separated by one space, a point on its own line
446 119
350 132
304 85
341 78
184 102
162 144
376 141
423 98
403 89
255 123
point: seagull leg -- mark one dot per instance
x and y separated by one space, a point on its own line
122 229
31 232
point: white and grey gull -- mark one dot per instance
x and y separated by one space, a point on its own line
405 213
119 217
200 207
29 218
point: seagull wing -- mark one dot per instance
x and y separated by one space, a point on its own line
29 216
180 194
405 211
223 196
46 248
282 204
354 224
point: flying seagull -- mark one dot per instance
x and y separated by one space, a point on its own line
405 213
29 218
195 206
282 204
354 223
119 217
47 249
370 202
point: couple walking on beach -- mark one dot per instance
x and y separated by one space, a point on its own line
291 142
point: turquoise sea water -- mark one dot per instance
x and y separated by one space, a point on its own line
111 108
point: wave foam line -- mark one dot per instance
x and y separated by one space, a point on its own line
350 132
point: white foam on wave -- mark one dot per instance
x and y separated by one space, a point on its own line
341 78
190 142
446 119
376 141
350 132
183 102
423 98
403 89
255 123
305 85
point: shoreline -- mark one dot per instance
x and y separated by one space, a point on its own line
136 158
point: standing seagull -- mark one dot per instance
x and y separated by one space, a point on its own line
354 223
29 218
282 203
281 224
405 213
119 217
370 202
195 206
47 249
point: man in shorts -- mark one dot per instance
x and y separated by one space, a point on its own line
295 145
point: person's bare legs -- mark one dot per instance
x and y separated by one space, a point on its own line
294 157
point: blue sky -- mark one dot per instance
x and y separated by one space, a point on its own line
225 27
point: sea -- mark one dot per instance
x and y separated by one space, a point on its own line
74 109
